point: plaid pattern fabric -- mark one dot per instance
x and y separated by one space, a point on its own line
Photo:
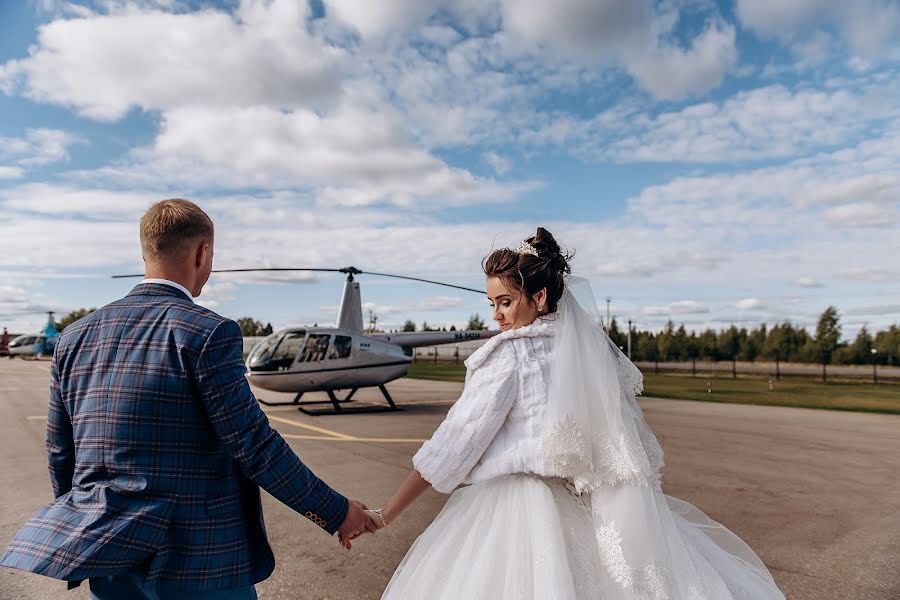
157 449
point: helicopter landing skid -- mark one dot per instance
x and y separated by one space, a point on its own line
340 410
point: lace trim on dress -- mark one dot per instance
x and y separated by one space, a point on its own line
600 461
609 542
629 375
651 582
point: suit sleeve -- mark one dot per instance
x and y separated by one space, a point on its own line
261 452
445 460
60 443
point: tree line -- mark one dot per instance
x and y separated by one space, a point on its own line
249 326
784 342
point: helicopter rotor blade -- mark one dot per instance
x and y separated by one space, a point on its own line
351 271
450 285
248 271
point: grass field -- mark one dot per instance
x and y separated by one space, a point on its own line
801 393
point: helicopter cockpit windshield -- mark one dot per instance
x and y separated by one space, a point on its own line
277 352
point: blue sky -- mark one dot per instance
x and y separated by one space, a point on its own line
710 163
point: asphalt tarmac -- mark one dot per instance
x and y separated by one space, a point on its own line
815 493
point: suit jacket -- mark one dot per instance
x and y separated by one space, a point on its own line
157 449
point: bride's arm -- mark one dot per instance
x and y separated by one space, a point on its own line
411 489
470 426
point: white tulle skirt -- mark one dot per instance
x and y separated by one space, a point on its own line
520 537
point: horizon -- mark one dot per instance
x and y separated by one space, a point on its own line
711 163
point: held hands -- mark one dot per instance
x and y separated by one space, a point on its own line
359 520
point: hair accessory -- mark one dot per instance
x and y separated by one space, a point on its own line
525 248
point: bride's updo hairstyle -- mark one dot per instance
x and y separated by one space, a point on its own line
528 273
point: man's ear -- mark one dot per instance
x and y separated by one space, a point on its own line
200 256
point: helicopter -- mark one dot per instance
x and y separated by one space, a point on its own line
34 344
300 360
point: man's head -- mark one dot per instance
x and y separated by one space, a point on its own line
177 243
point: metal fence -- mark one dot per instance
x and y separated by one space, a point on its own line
458 353
447 353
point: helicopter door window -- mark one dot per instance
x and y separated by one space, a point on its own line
341 347
316 346
286 352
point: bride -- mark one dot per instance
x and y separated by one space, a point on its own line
561 495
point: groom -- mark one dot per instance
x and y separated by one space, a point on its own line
157 447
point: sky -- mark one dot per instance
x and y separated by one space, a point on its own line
712 163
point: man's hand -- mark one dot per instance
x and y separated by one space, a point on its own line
357 522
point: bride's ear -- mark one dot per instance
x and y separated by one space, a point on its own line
540 299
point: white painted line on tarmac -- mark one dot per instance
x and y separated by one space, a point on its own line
329 432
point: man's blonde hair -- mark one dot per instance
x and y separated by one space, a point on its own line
170 226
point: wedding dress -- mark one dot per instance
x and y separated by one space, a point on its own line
561 495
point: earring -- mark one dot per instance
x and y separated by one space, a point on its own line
540 308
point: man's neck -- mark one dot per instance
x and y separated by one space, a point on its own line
179 278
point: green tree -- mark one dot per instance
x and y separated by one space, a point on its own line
665 342
409 325
828 334
887 344
859 352
476 323
708 345
252 328
729 343
73 316
619 338
645 346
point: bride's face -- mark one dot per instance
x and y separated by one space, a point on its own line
512 308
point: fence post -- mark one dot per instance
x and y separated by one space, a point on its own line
734 368
824 373
657 365
777 370
875 373
457 356
693 367
435 354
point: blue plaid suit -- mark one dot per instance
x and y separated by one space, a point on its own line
156 450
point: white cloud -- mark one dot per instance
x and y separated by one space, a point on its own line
808 282
216 293
351 157
860 214
378 18
592 29
106 64
498 163
749 304
68 201
38 147
869 274
868 187
439 303
620 268
868 27
763 123
11 172
682 307
673 73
